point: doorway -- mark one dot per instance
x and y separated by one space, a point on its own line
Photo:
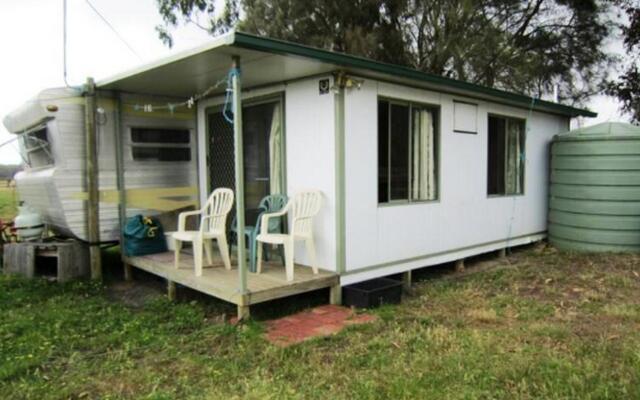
263 142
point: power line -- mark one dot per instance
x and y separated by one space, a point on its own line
64 42
122 39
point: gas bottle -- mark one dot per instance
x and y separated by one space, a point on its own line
28 223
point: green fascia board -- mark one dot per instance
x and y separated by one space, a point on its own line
245 40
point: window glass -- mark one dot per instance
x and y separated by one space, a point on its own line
407 152
155 135
505 156
383 151
160 144
161 154
399 152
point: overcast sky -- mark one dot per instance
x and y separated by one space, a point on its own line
31 43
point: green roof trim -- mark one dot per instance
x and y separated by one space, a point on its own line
269 45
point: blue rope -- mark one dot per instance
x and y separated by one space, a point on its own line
227 109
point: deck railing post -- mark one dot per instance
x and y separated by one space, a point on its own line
93 212
120 182
239 167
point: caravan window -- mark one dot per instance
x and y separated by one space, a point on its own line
407 152
506 151
36 147
160 144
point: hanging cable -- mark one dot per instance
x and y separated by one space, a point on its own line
122 39
64 42
190 102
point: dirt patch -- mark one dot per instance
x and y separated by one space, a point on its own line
135 294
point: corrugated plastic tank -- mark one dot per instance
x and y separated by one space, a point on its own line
594 200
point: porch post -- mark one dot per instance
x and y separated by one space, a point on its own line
119 130
92 212
239 159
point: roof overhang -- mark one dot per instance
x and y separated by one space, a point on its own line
267 61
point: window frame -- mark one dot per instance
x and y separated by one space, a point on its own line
133 144
524 122
436 109
28 150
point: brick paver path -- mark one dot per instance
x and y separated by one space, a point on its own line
319 321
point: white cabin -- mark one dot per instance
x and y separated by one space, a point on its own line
415 169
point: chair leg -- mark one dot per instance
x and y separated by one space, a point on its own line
231 238
177 246
288 251
252 253
311 252
208 248
266 252
197 255
224 251
258 258
282 255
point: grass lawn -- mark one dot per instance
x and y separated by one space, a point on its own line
542 325
8 201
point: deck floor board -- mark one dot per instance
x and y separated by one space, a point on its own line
222 283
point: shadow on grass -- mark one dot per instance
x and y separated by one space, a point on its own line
148 286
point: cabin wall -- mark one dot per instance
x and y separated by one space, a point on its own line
310 147
381 239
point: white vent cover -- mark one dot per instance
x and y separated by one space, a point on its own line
465 117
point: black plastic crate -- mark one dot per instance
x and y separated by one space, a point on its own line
373 293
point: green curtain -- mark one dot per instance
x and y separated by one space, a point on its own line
275 152
423 169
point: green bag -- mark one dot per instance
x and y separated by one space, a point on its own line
143 235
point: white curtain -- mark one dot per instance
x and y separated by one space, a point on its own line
275 152
423 169
513 164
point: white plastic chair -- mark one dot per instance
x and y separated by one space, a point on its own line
302 208
213 226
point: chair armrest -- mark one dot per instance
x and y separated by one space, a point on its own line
264 219
202 222
182 218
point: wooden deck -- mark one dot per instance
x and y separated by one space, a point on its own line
223 284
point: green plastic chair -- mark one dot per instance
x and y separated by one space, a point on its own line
269 204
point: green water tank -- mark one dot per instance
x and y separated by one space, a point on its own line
594 198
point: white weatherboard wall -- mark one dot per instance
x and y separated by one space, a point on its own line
310 146
463 219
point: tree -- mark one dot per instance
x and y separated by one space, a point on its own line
517 45
627 87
